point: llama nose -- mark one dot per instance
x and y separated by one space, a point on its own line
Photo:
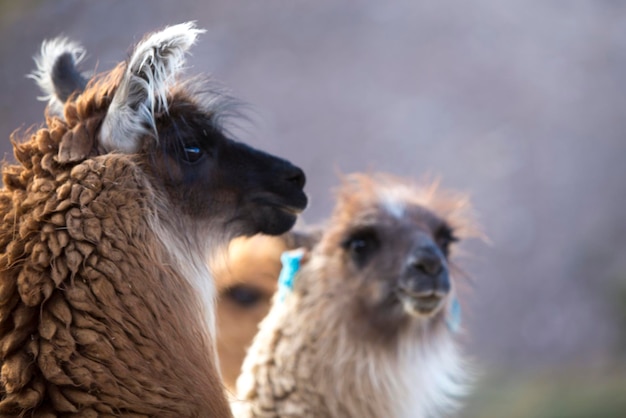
294 175
428 263
426 273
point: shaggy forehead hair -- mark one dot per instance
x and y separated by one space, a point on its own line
364 195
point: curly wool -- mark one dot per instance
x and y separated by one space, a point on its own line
93 318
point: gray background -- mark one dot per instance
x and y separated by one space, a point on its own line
520 103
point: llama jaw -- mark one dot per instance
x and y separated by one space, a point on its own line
276 213
285 216
275 218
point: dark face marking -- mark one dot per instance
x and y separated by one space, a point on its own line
216 178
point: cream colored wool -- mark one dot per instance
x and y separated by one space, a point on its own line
318 352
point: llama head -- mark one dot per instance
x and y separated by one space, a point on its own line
246 281
391 242
171 128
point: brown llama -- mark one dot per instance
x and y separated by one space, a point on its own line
368 326
246 282
106 301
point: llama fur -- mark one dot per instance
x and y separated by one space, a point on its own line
322 352
47 61
106 302
245 281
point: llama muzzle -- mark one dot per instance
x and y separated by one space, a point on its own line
425 282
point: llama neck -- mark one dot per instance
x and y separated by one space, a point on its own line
190 259
315 363
425 377
117 330
420 377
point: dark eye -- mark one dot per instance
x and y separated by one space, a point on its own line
361 245
192 154
245 296
445 237
358 246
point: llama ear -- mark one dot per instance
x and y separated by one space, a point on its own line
57 74
142 92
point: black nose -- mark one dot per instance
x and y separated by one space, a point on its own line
428 263
426 273
295 176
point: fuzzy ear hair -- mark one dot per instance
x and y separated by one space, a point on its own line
150 72
57 74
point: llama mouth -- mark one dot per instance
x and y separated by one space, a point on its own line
293 205
420 305
291 210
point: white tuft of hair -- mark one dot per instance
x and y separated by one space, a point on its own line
431 379
51 50
150 73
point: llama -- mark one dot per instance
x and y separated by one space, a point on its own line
245 282
368 327
106 301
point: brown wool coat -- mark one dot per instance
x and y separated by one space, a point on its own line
93 315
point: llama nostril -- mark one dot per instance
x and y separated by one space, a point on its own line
296 177
429 264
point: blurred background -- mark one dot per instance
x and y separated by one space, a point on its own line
520 103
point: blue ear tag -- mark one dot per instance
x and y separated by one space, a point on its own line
453 319
291 265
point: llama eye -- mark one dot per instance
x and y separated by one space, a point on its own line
244 296
192 154
357 246
361 246
445 237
